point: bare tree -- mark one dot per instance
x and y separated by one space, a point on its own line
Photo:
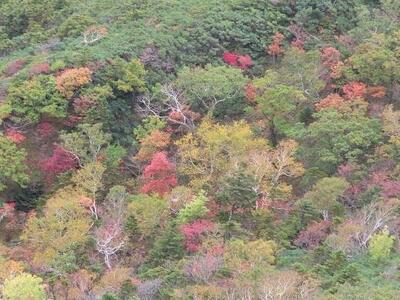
174 107
110 237
373 218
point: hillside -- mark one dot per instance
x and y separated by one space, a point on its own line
232 149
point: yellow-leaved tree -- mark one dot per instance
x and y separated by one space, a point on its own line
64 224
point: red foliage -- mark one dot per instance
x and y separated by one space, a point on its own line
313 235
354 90
15 136
244 62
72 120
230 58
346 170
42 68
60 162
159 175
45 129
275 48
236 60
389 188
14 67
193 232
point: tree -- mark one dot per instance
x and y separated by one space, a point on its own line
354 90
324 194
301 71
278 103
313 235
380 245
353 136
59 162
89 180
241 61
275 48
192 233
374 61
216 90
64 224
193 210
391 127
238 192
155 141
87 143
252 258
110 237
271 166
12 165
24 287
125 76
331 101
31 99
70 80
149 212
159 175
214 150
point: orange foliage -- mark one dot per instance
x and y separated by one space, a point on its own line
15 136
72 79
354 90
156 141
250 93
377 92
275 48
330 101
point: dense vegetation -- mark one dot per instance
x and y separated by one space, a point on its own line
231 149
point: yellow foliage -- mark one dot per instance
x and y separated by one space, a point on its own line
214 150
64 223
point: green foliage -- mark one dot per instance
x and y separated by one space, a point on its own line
150 213
12 163
351 138
114 155
376 61
238 191
325 192
148 125
381 245
167 247
332 16
87 143
216 90
24 287
193 210
125 77
30 100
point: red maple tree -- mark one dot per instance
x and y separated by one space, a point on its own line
193 232
236 60
159 175
60 162
314 234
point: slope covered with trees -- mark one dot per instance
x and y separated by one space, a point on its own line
232 149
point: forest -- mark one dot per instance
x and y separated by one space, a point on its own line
200 149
